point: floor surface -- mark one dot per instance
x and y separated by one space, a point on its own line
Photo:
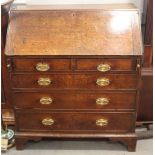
48 147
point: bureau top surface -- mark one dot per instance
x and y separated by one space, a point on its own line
74 30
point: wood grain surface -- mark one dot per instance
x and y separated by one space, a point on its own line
73 41
76 100
74 32
74 121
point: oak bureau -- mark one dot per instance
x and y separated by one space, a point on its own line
75 71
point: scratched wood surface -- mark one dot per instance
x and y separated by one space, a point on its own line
74 31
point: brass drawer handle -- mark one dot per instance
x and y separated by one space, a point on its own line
42 67
103 82
103 67
102 122
44 81
46 100
102 101
47 121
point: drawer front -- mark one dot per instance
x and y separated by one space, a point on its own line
41 65
75 81
75 100
76 121
106 65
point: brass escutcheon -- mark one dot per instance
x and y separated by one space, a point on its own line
103 82
44 81
102 101
42 67
47 121
103 67
46 100
101 122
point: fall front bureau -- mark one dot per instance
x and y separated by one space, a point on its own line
75 71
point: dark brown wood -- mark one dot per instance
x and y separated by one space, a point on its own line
148 56
21 64
115 64
149 23
77 41
145 111
20 142
75 121
128 139
148 47
75 81
129 142
77 100
2 94
7 111
30 64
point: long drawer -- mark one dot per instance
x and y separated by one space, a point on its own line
71 100
75 81
75 121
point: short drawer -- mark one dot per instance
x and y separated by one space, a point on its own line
75 121
41 65
68 100
106 65
75 81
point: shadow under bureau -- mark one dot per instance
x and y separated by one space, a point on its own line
75 71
